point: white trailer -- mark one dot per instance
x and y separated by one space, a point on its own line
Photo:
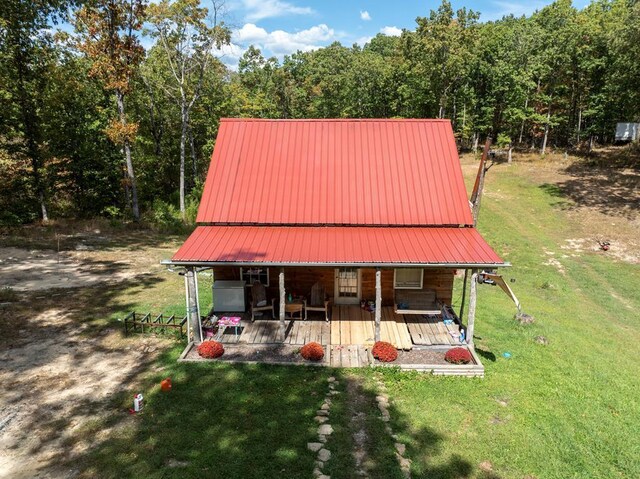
627 131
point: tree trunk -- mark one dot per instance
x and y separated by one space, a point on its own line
476 137
464 293
473 295
127 156
378 313
183 140
194 160
526 104
31 130
282 327
510 158
579 126
546 131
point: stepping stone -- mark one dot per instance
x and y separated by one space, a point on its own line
321 419
322 412
401 448
322 438
325 430
331 379
325 407
333 392
324 455
317 472
314 446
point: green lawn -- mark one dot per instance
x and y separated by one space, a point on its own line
566 410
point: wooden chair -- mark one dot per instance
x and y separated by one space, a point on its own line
259 301
318 301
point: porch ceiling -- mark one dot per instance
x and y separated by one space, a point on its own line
336 246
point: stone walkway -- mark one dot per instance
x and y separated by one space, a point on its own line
324 431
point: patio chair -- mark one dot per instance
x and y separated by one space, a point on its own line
318 301
259 301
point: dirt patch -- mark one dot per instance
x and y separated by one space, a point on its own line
37 270
599 193
67 375
420 356
57 379
263 353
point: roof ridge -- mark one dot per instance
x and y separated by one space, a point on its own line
346 120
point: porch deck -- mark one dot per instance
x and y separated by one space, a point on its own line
349 325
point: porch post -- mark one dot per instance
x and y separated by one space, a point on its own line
464 293
193 320
472 306
282 303
378 303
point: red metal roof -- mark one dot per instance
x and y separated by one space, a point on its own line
337 172
286 245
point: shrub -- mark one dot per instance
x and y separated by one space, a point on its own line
7 295
211 349
458 356
385 352
312 351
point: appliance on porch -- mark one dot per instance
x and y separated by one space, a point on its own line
228 296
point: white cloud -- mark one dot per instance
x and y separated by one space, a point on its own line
503 8
279 42
364 15
362 41
261 9
391 31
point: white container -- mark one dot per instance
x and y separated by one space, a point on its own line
228 296
137 402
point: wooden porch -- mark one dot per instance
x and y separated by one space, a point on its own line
349 325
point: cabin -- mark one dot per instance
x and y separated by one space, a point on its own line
337 231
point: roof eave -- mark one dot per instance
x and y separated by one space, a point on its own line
199 263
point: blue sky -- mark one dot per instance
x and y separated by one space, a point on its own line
280 27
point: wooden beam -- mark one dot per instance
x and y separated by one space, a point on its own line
194 330
473 296
464 293
282 303
378 303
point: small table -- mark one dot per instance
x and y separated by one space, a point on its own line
228 322
295 306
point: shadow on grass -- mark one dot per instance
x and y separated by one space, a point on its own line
608 181
219 420
488 355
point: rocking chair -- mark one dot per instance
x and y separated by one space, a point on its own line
318 301
259 301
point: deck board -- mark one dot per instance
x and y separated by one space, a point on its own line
350 325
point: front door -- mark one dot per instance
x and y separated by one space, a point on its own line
347 289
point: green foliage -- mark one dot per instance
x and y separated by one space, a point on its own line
562 73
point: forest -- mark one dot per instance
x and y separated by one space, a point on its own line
94 124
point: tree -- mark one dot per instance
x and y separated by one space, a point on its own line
108 32
188 39
26 46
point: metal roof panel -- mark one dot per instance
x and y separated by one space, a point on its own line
336 244
336 172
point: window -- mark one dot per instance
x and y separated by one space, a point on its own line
407 278
251 275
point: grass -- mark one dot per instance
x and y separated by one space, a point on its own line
568 409
248 421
